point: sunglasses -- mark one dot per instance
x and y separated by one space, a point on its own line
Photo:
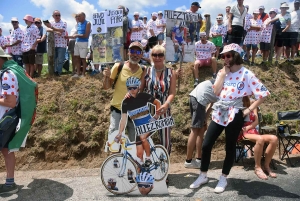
228 56
37 23
57 15
136 52
14 22
144 185
271 13
130 88
159 55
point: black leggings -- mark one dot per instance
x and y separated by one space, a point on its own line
232 131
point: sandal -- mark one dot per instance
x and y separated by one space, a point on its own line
270 173
260 174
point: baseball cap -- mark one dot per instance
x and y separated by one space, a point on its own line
202 33
160 12
196 4
136 13
136 44
256 11
14 19
2 53
246 6
154 14
261 7
273 10
232 47
145 17
297 1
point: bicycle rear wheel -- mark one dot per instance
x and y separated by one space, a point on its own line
118 178
160 158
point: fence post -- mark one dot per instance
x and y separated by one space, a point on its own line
272 44
51 53
207 25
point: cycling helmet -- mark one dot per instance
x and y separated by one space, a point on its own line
133 81
144 177
182 24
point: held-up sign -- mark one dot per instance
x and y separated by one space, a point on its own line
114 18
99 23
154 126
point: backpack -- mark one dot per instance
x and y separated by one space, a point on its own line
121 64
26 108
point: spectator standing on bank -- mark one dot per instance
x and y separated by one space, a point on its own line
29 44
17 36
161 26
137 28
41 47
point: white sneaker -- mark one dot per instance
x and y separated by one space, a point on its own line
75 76
194 164
202 179
220 188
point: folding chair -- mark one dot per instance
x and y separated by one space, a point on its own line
244 144
286 138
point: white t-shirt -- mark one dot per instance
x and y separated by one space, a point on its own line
151 25
204 51
295 21
238 18
160 22
9 87
137 35
237 85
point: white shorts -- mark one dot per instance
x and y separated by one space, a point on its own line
81 49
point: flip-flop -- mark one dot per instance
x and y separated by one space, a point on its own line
260 174
270 173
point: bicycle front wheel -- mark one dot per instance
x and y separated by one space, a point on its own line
118 174
160 158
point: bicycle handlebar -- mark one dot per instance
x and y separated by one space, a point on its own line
122 141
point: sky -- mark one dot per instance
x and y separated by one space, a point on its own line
44 8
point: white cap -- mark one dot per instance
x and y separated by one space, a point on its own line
284 5
14 19
261 7
273 10
136 13
297 1
256 11
246 6
160 12
154 14
202 33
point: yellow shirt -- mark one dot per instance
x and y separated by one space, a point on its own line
203 27
120 87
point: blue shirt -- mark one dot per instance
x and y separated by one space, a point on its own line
81 27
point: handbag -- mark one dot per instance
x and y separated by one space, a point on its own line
8 124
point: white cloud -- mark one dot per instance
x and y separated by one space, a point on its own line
7 25
181 8
133 5
66 8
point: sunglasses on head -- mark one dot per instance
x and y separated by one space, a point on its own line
130 88
136 52
159 55
228 56
144 185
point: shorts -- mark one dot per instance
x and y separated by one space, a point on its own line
218 41
236 34
290 38
198 113
81 49
265 46
71 46
161 36
39 58
29 57
298 38
253 46
279 39
203 62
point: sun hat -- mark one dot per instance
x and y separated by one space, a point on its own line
2 53
232 47
284 5
28 18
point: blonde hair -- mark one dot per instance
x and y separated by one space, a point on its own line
160 49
